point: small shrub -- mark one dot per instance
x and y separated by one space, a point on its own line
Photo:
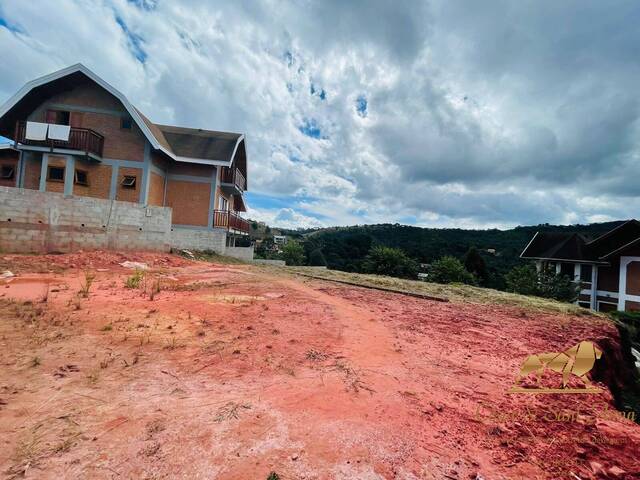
523 280
450 270
86 285
135 280
273 476
35 362
383 260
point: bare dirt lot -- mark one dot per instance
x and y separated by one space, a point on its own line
202 370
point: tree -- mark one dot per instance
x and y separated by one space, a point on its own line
474 264
523 280
558 286
527 281
383 260
450 270
293 253
316 258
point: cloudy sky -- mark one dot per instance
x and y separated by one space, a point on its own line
442 113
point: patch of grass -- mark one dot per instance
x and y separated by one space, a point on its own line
107 328
85 286
230 410
455 293
273 476
315 355
135 280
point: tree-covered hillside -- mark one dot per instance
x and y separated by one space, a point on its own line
345 248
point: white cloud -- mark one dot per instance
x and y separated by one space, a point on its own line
477 115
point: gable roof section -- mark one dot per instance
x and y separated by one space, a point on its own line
183 144
574 247
557 246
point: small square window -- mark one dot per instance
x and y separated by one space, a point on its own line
125 123
8 172
55 174
82 178
129 181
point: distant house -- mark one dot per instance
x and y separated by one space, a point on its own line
607 268
74 134
280 240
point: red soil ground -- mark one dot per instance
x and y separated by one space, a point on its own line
233 372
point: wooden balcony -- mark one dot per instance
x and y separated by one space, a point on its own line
233 176
230 221
80 139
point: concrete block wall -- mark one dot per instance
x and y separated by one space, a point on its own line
38 222
242 253
199 239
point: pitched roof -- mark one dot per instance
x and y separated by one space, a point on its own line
180 144
575 247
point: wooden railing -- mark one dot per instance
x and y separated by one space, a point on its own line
230 221
234 176
83 139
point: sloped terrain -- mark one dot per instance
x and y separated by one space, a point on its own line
202 370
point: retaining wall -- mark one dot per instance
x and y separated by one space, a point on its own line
199 239
38 222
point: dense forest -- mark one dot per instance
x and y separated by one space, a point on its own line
345 248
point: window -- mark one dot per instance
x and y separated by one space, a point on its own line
59 117
7 173
129 181
223 203
125 123
81 177
585 273
55 174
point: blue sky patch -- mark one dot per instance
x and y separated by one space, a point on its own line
310 128
361 106
9 26
134 41
147 5
320 93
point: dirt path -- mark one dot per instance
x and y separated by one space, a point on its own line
229 372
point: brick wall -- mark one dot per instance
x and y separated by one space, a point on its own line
54 185
156 189
32 166
99 180
129 194
32 221
97 109
9 158
189 201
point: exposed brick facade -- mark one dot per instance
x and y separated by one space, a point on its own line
54 185
189 201
129 194
99 180
122 144
156 189
9 159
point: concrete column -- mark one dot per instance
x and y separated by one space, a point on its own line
113 189
43 172
146 174
212 195
69 174
594 287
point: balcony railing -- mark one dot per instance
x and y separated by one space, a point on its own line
233 176
82 139
230 221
